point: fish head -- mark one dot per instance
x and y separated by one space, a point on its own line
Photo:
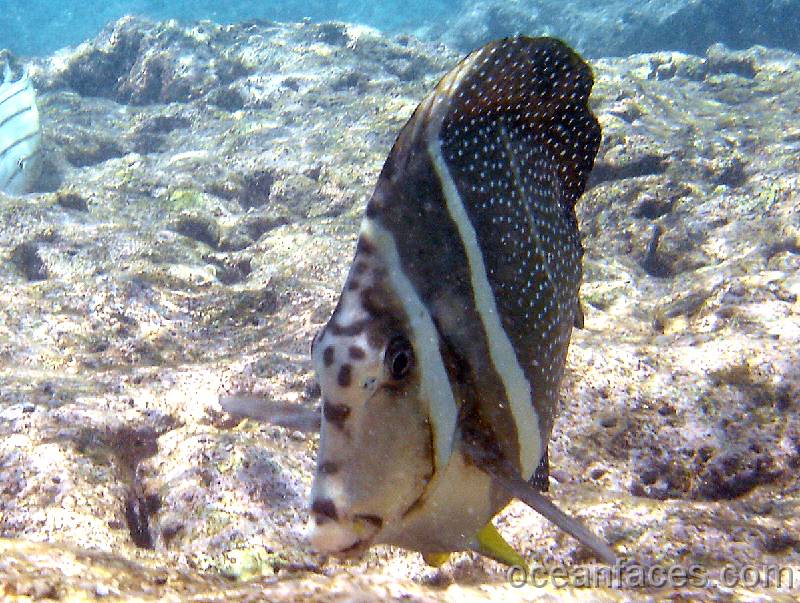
374 456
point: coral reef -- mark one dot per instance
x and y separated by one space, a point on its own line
192 232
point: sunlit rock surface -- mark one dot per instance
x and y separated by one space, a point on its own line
202 203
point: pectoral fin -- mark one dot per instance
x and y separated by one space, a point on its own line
491 544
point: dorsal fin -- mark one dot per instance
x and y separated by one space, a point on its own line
536 85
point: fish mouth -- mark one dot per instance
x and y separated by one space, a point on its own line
345 538
355 550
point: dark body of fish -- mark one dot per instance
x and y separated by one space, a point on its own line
515 146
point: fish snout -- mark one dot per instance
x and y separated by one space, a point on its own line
332 533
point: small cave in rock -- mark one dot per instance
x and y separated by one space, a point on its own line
256 188
28 262
198 228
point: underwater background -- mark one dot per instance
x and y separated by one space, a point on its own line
196 215
607 28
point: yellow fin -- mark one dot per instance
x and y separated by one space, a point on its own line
436 559
491 544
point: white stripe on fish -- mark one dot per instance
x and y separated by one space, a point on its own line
435 387
504 360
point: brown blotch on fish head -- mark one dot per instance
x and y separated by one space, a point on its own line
335 414
345 376
328 468
378 334
324 510
365 246
328 355
373 301
348 330
356 352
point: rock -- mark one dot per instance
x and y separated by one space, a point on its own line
734 473
137 62
85 148
653 262
730 172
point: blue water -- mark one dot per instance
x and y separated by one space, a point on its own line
36 27
607 28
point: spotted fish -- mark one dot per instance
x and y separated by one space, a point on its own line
20 135
440 367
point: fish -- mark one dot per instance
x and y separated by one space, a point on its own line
20 135
441 364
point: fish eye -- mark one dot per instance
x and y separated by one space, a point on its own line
399 357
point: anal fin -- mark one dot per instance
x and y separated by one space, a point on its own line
436 559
